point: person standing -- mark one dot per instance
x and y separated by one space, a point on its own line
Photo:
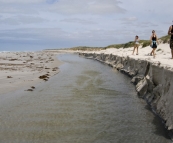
170 32
136 45
154 42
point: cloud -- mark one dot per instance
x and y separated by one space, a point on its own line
18 9
148 7
62 6
147 24
130 19
54 34
51 1
80 21
135 22
87 7
33 34
20 1
21 19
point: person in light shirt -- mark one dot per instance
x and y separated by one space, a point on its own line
136 45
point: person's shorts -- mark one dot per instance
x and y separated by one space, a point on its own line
136 45
154 44
171 44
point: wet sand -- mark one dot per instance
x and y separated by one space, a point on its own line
25 69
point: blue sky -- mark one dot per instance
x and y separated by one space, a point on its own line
31 25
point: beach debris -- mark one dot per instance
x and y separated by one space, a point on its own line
55 69
47 68
44 77
13 59
32 87
39 67
29 90
158 63
9 77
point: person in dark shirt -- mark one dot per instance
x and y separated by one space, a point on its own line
154 43
170 32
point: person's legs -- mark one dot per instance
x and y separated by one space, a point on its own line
172 53
154 55
137 50
151 53
134 50
171 46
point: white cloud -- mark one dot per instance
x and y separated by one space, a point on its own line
21 19
63 6
21 1
87 7
129 19
80 21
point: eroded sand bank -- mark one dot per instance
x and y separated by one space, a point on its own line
153 77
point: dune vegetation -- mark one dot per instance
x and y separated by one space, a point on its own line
143 43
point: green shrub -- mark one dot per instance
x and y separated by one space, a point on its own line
165 39
146 43
129 44
117 46
85 48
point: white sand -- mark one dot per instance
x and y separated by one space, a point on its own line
163 54
22 69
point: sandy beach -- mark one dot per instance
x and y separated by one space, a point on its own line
163 54
25 69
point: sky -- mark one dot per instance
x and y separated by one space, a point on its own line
32 25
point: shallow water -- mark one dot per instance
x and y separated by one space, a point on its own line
87 102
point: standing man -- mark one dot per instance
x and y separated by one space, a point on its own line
170 32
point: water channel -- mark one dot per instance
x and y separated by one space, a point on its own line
87 102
